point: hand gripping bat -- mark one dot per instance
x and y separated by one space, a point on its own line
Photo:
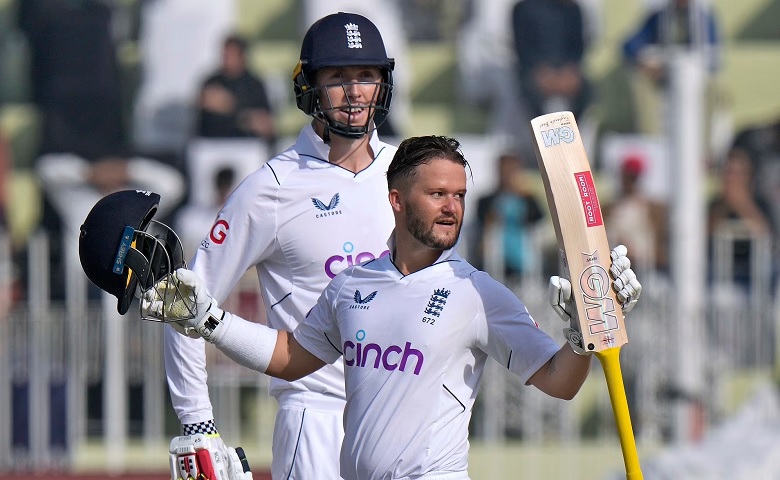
579 229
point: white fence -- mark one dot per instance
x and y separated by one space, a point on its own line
75 371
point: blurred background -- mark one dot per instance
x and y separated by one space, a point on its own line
676 101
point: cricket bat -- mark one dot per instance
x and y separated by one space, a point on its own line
579 229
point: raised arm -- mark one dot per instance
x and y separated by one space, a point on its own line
563 375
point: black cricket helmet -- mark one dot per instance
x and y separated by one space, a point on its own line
341 40
123 250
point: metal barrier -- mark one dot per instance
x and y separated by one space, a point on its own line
740 350
74 372
77 371
745 300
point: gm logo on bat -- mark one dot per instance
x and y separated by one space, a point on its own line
555 136
599 307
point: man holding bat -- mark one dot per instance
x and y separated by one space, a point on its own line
414 329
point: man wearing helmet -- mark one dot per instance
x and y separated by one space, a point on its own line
308 213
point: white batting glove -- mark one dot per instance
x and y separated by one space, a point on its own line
627 290
208 317
561 300
202 456
559 295
627 287
184 329
152 308
172 302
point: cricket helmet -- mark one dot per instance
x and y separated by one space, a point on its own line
122 249
341 40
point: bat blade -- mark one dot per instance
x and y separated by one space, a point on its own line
582 239
579 228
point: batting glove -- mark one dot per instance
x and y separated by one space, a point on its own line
627 287
627 290
185 329
201 456
208 318
172 302
561 300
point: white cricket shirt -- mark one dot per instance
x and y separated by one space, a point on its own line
415 347
299 220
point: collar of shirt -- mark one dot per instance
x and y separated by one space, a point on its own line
311 144
445 255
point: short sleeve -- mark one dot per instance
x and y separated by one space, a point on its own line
319 332
511 336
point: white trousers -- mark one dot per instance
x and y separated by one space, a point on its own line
307 438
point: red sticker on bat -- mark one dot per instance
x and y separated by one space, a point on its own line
590 201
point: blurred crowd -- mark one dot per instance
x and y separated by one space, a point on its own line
101 129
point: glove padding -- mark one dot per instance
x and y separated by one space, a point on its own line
627 287
172 302
207 457
627 290
183 328
208 317
203 322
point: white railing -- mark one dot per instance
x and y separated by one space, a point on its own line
75 372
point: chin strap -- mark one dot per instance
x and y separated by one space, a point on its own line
344 130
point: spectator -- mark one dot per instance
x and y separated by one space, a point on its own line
762 143
74 74
675 24
637 221
736 209
550 45
511 210
487 66
434 20
192 33
233 102
679 22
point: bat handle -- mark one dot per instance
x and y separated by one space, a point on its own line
610 362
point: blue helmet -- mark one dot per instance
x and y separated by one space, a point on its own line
342 39
122 248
